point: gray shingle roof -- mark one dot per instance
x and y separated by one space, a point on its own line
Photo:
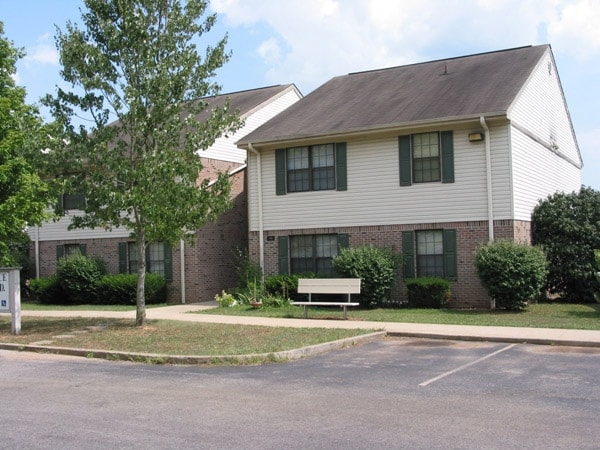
449 88
243 101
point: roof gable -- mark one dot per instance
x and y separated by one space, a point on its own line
449 88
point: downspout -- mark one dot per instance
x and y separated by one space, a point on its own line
488 166
261 242
182 268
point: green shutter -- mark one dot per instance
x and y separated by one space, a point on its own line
343 240
60 251
123 257
450 255
282 255
408 254
168 262
447 139
83 249
340 167
405 160
280 172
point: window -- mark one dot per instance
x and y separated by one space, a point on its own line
72 201
426 158
309 253
158 259
430 253
64 250
311 168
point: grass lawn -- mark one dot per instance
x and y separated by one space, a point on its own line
165 337
27 306
540 315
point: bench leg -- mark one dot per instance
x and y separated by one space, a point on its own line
345 312
305 311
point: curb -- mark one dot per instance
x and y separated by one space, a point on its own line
155 358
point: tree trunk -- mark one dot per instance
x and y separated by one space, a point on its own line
140 314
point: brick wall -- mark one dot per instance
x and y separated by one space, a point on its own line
208 263
467 291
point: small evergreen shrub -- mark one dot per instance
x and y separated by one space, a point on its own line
512 273
47 290
121 289
428 292
78 275
376 267
283 285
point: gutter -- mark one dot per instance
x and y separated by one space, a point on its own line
261 241
488 166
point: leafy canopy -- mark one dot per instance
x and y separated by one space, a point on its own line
146 92
23 195
567 226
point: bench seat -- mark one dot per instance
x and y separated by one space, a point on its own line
311 286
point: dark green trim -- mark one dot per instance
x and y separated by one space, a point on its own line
408 254
340 167
60 251
168 262
280 172
123 257
447 144
450 255
343 240
283 255
405 160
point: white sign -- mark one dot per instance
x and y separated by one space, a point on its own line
4 290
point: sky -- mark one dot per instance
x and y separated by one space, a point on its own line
308 42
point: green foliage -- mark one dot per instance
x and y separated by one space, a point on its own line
248 271
120 289
48 291
23 195
512 273
138 77
428 292
567 226
275 301
282 285
376 267
225 300
78 276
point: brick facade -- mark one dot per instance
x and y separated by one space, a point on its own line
467 291
208 263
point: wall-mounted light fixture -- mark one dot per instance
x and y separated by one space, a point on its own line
476 137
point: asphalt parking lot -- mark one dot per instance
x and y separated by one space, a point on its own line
393 393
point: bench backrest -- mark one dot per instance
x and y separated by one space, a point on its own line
329 286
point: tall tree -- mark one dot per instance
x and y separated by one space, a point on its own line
23 195
141 81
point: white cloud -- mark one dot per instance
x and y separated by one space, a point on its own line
576 28
43 52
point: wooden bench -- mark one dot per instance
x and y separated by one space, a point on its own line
311 286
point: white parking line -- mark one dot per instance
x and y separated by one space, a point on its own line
458 369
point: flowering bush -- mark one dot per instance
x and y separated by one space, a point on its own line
225 300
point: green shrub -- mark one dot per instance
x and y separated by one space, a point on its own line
428 292
225 300
376 267
121 289
78 275
512 273
47 290
282 285
567 226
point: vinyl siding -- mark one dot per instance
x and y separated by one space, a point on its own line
224 147
374 195
57 231
545 155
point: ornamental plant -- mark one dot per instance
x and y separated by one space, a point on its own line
512 273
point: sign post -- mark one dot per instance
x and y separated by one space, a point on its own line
10 296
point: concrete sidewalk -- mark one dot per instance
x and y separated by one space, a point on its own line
546 336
